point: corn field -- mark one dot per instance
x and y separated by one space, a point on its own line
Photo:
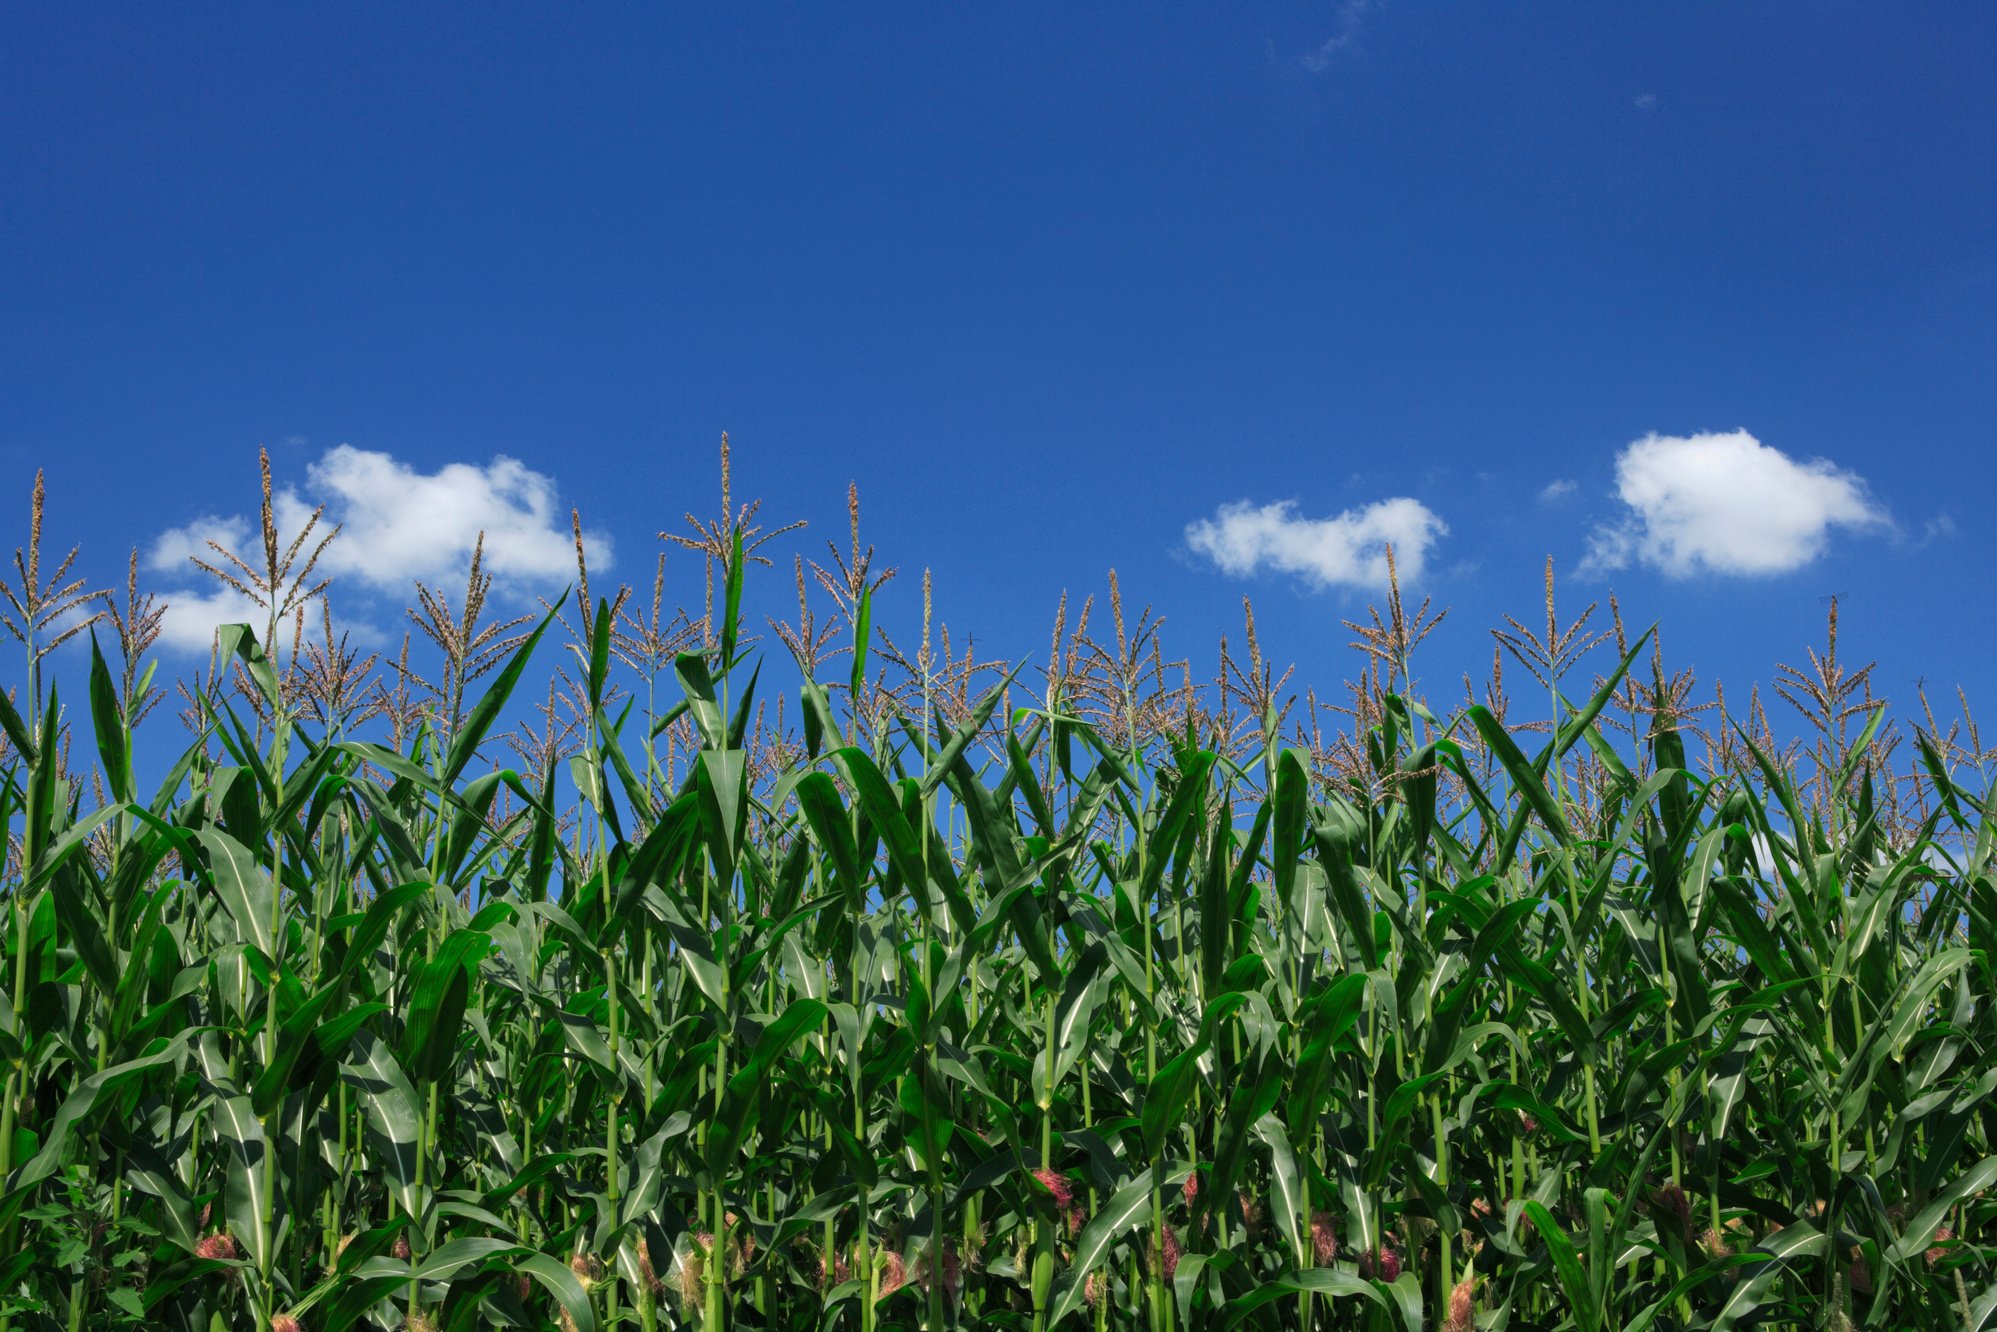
1071 995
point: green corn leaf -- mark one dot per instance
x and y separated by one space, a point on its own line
380 1277
1574 1283
383 1091
471 734
18 732
720 783
818 797
731 600
742 1105
248 1186
77 908
1793 1243
1286 1186
1920 1232
1328 1281
863 612
556 1278
243 887
114 737
1527 780
237 641
1983 1314
966 731
92 1097
877 801
1128 1209
599 654
437 1003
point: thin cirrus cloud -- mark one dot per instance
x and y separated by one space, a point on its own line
1348 550
397 524
1725 503
1350 15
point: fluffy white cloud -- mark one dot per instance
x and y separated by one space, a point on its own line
191 618
1349 550
1726 503
173 548
398 525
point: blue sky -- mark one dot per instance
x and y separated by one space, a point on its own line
1699 300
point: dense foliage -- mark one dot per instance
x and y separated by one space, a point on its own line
959 1013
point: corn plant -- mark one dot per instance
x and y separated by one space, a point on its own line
1102 1007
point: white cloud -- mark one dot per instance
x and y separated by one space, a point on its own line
1556 490
173 548
1644 101
1728 504
1349 15
191 618
1347 551
398 525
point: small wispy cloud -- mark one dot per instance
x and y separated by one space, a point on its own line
1555 491
1941 527
1350 16
1644 101
1726 503
1348 550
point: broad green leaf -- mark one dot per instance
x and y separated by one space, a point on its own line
243 887
1129 1208
383 1091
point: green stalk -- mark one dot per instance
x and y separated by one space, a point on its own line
1156 1278
1445 1271
611 1138
717 1275
1043 1252
280 722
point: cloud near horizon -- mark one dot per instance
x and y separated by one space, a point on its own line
1726 503
1349 550
397 526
